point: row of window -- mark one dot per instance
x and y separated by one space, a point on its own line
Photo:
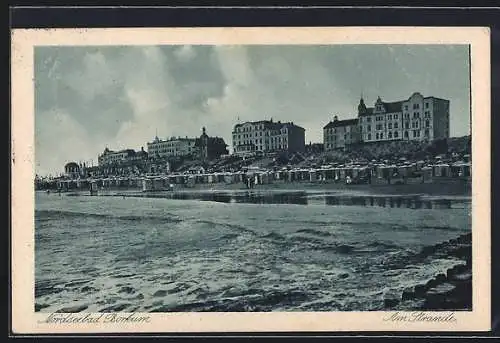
381 118
416 115
379 127
272 140
415 124
260 134
259 147
249 128
258 127
169 150
395 135
390 135
340 129
334 137
417 106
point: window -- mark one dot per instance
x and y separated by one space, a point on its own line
390 135
426 105
390 126
427 133
395 117
406 134
406 107
407 125
396 134
369 136
369 128
369 119
414 133
427 124
376 135
396 125
382 135
389 117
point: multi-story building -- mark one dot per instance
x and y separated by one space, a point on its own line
382 122
417 118
172 147
118 157
340 133
426 118
210 148
268 136
72 170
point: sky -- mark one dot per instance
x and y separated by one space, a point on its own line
89 98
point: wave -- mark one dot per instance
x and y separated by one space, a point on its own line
315 232
383 245
238 228
274 236
261 301
42 215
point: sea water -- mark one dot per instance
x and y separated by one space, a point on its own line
140 254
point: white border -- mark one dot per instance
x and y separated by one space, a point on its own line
25 320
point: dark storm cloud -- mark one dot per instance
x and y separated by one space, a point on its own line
87 98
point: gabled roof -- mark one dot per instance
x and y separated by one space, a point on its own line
338 123
391 107
369 111
435 97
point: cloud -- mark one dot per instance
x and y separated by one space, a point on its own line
120 97
60 139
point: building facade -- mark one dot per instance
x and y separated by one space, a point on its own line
340 133
72 170
416 118
119 157
426 118
210 148
172 147
267 136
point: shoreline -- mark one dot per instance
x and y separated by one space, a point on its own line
449 187
450 291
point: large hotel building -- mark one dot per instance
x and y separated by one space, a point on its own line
417 118
267 136
175 146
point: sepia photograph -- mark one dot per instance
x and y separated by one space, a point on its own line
254 178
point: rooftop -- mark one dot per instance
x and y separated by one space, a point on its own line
270 124
338 123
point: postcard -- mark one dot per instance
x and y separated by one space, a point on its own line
250 180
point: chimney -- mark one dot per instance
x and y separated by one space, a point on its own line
335 118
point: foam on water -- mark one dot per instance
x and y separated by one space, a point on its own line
154 254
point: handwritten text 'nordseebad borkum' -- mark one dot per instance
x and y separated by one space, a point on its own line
75 318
